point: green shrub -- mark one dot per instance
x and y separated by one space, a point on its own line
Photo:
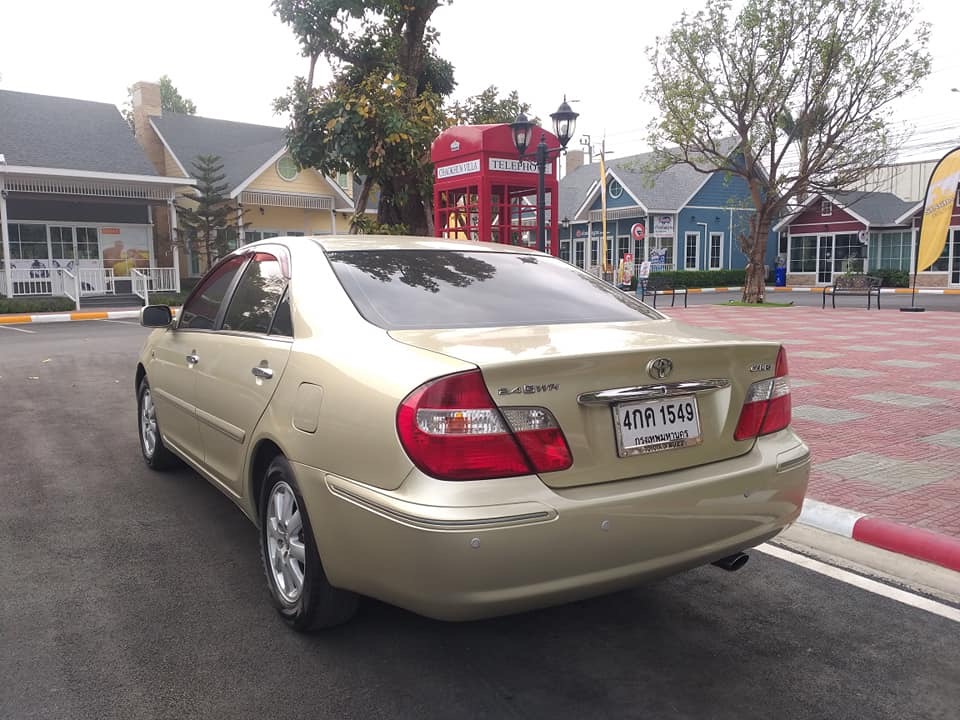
704 278
892 278
36 305
171 299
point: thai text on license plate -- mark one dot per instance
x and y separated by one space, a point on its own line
653 425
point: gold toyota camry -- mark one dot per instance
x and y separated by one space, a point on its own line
463 429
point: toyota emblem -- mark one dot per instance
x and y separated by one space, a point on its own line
659 368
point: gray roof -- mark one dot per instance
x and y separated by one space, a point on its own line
667 191
243 148
877 208
67 134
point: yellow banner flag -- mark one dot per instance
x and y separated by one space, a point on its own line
938 208
603 214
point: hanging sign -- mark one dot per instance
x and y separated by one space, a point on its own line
663 225
638 231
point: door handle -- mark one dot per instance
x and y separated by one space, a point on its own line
193 359
264 373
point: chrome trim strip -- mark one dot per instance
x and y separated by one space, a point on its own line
174 400
335 485
231 431
650 392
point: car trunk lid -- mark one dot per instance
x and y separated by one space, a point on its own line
632 398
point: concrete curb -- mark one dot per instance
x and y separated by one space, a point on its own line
885 291
921 544
67 317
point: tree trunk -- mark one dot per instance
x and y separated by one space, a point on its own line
754 284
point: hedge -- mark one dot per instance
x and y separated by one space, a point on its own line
892 278
171 299
23 306
704 278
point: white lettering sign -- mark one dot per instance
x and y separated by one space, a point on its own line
517 166
464 168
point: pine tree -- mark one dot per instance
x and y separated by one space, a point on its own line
208 224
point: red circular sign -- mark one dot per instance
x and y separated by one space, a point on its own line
638 231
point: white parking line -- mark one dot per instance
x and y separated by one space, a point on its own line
879 588
8 327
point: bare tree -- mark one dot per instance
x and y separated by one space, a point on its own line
802 87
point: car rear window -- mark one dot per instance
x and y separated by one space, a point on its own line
420 289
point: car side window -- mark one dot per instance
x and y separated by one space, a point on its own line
257 296
282 322
201 309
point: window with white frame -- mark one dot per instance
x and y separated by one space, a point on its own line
716 251
88 243
890 250
803 253
28 241
826 207
691 243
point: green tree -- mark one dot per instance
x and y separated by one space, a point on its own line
488 108
803 88
384 106
170 101
208 220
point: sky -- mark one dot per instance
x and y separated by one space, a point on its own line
233 57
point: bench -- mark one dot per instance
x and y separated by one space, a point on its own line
853 285
655 285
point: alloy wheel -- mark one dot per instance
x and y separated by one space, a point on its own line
284 538
148 423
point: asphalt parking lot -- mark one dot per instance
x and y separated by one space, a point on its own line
131 594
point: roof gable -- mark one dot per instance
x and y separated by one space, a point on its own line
875 209
667 191
63 133
242 148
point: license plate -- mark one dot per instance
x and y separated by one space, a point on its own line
653 425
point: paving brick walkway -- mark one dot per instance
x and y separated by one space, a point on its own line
876 396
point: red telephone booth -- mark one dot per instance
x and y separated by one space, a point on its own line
483 191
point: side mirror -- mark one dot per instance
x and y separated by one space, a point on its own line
156 316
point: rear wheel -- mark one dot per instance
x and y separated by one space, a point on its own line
155 453
295 576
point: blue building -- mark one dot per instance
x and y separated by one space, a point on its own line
689 220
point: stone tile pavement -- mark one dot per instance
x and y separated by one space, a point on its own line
876 396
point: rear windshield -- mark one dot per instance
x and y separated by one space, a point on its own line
421 289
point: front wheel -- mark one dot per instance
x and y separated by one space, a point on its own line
155 453
295 576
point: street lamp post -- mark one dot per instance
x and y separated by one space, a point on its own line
564 123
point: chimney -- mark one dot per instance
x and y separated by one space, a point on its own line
146 103
574 160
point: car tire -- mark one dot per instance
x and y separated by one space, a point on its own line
155 453
295 577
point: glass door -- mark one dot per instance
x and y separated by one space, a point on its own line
824 259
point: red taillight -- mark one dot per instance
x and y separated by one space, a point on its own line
766 407
452 430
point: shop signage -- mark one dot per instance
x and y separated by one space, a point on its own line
516 166
663 225
638 231
109 231
463 168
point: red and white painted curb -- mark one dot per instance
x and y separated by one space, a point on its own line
903 539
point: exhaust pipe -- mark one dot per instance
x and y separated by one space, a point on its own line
732 562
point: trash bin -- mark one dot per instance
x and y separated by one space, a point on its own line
780 277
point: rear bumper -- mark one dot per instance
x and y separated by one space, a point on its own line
457 551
